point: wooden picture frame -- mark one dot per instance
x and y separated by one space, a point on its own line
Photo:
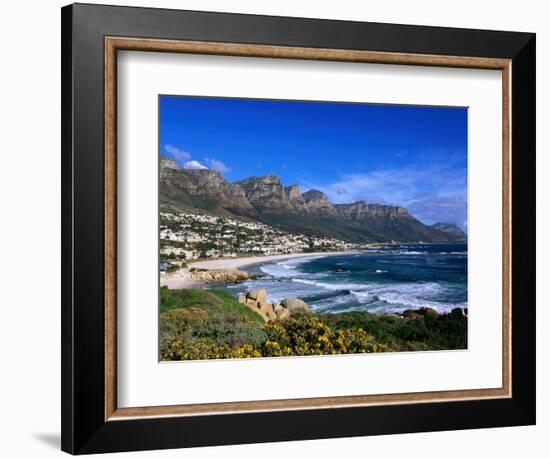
91 37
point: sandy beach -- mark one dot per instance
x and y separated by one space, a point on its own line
236 263
181 278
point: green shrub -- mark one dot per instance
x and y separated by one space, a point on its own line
178 322
232 332
430 332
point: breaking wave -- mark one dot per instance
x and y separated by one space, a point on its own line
372 281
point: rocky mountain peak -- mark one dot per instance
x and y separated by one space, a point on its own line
168 167
168 163
314 195
317 202
387 210
268 179
354 211
266 191
295 199
205 174
293 192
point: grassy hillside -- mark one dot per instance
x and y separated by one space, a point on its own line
208 324
180 201
371 229
220 303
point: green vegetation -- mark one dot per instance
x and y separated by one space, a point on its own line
219 303
369 229
173 198
202 324
429 331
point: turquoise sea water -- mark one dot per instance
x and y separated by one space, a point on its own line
385 279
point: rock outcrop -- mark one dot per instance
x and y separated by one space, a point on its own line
219 275
256 300
295 305
421 313
361 210
295 199
318 203
266 192
353 211
168 167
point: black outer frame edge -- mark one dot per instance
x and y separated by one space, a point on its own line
524 228
67 413
178 432
161 23
83 427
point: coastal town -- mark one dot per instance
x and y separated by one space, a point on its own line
186 237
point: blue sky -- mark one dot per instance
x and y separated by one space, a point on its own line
414 156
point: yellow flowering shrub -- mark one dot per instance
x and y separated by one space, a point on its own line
192 349
308 335
301 335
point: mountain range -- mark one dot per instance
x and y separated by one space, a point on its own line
267 200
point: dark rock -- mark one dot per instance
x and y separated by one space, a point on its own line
421 313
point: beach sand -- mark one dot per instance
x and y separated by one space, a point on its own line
181 278
236 263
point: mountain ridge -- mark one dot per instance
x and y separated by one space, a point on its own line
266 199
449 228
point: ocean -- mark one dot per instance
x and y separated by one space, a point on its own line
381 280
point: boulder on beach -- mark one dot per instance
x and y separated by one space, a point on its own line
265 307
259 295
256 300
282 314
219 275
295 305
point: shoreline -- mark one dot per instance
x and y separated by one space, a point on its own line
235 263
181 278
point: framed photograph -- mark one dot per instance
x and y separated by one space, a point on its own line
281 229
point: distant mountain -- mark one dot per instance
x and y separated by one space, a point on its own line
265 199
450 228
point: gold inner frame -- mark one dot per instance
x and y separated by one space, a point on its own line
114 44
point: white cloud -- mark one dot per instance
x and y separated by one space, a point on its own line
195 165
216 165
177 154
432 192
184 159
